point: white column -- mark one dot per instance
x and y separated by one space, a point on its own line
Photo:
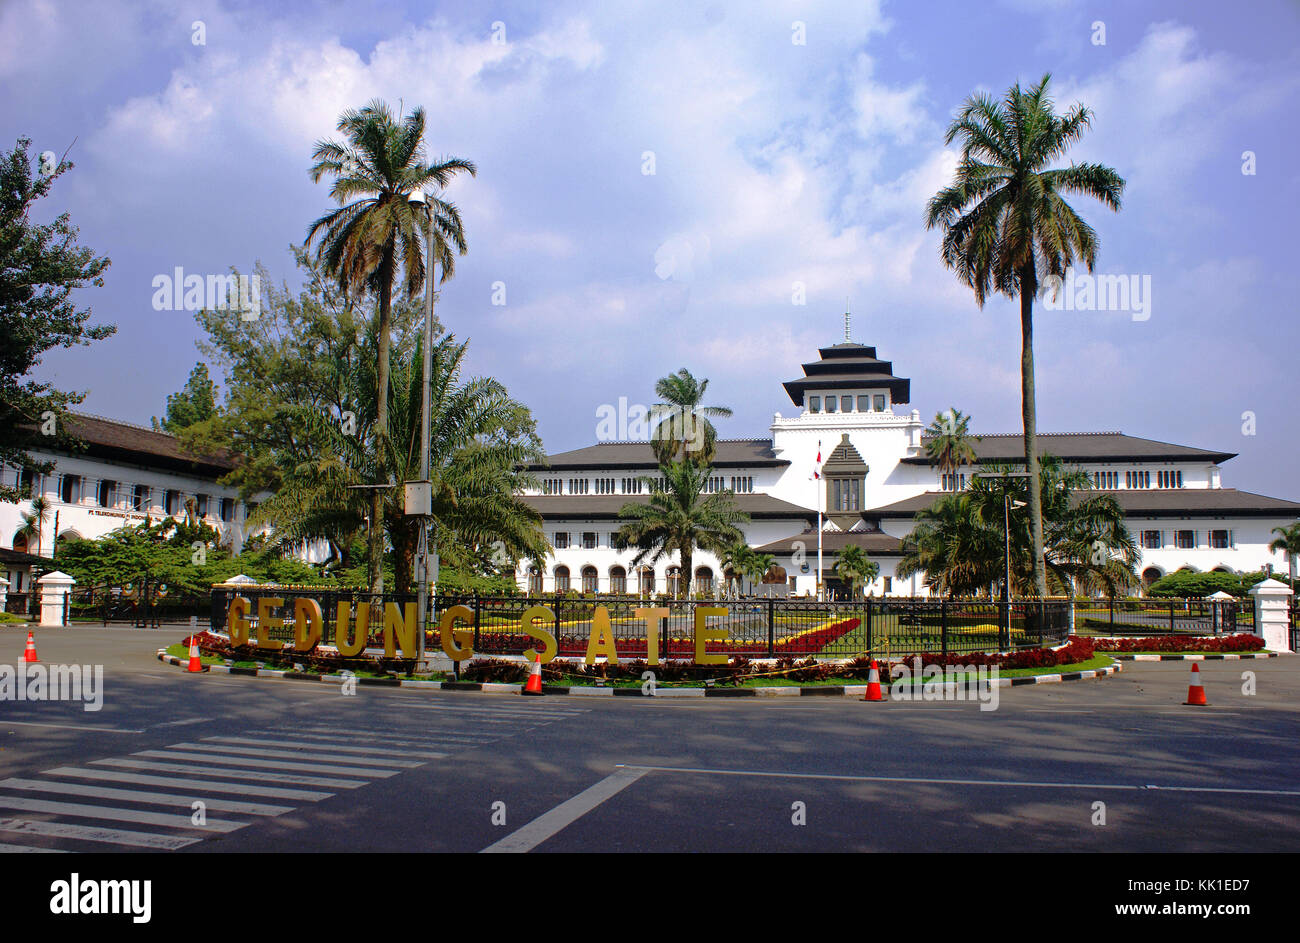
1272 601
53 590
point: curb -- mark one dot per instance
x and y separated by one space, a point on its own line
819 690
1192 656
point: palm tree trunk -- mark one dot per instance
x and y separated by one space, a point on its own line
685 587
376 535
1028 286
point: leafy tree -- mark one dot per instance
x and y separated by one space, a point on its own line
949 444
33 526
40 266
1006 227
683 429
1288 541
367 243
853 564
678 517
195 403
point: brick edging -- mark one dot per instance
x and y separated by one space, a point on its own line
490 687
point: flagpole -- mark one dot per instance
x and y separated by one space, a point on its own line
817 478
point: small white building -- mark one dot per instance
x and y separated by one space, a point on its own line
875 477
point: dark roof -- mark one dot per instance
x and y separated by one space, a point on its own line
731 453
849 365
835 541
18 558
606 506
124 442
1137 502
1009 448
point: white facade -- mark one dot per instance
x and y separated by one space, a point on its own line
1175 504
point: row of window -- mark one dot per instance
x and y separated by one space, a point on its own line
867 403
1138 479
845 494
117 495
618 582
1187 539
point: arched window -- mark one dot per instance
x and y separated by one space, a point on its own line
1150 575
20 543
646 576
618 580
674 580
590 579
561 579
534 581
703 579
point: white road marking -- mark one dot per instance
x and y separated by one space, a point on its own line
132 795
264 764
21 723
298 744
182 723
959 782
202 785
352 737
19 849
230 750
567 812
112 836
256 775
109 814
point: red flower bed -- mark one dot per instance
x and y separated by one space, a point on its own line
1242 642
1076 650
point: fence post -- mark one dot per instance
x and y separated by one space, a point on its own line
1004 625
1171 616
1112 612
870 645
771 627
943 625
477 646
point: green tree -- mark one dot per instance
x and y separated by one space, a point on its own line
853 564
678 517
1007 228
682 428
40 267
949 442
33 526
1287 541
377 233
195 403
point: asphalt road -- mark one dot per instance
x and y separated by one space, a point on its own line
298 766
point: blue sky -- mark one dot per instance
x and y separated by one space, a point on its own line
775 163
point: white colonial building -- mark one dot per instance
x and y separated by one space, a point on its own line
875 477
124 475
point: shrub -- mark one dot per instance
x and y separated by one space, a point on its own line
1241 642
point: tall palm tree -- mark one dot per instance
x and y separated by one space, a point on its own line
377 233
756 565
1288 541
853 564
949 442
1007 228
678 517
33 525
683 429
735 559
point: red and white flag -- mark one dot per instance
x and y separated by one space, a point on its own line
817 469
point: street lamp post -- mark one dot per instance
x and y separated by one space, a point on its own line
1006 540
426 497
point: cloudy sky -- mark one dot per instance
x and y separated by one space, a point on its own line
792 143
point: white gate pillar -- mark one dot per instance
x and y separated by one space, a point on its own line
53 590
1272 616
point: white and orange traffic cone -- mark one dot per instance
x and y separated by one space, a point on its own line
873 684
195 663
534 686
1195 690
29 653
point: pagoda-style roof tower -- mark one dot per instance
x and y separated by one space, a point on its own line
845 368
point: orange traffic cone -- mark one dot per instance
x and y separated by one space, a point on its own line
195 663
534 685
1195 691
873 684
29 654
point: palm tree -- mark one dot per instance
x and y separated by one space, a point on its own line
853 564
678 517
949 442
34 522
736 559
756 565
1006 226
683 429
1288 541
956 548
367 242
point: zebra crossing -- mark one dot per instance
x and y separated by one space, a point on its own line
149 800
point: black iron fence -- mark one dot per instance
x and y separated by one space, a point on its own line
758 628
145 603
1164 616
